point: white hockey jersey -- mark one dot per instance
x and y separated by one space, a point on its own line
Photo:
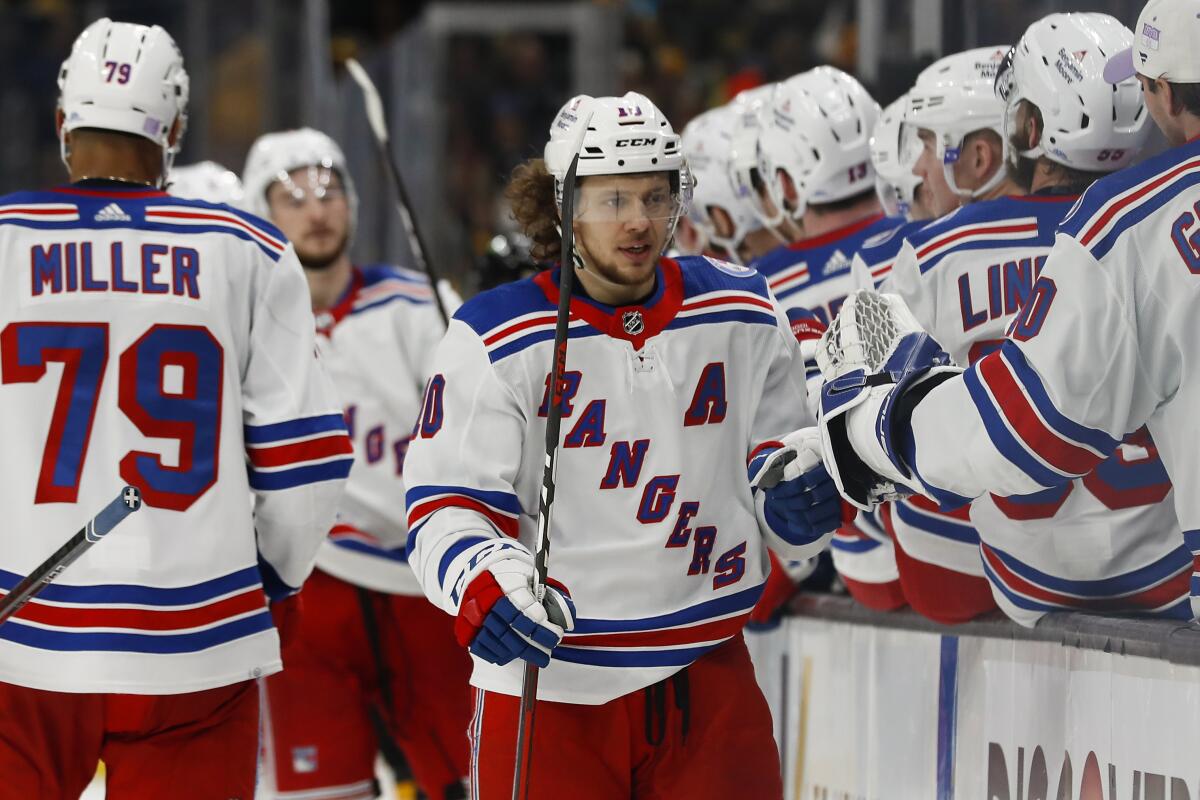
1106 343
377 343
654 529
1108 541
168 344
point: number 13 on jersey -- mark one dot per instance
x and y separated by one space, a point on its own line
169 385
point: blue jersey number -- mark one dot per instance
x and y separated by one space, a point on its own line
169 386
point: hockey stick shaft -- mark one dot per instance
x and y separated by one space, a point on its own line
125 503
377 120
558 367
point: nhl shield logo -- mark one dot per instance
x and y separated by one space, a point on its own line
632 322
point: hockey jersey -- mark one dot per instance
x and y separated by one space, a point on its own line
377 342
1100 347
654 529
168 344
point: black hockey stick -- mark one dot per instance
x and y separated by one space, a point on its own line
558 367
128 501
378 122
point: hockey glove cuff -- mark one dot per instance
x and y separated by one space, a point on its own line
795 499
499 618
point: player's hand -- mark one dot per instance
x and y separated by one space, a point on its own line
795 497
499 618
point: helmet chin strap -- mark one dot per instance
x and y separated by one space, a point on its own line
991 183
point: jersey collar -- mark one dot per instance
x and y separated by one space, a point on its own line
102 187
328 319
621 322
835 235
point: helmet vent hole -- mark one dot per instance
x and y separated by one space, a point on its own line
621 162
654 160
1084 121
1045 61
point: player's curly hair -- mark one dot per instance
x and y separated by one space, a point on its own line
530 191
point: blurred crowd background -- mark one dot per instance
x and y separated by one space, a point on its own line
472 86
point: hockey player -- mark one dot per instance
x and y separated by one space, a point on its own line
750 108
367 641
676 372
732 231
966 277
814 155
1104 344
952 131
165 343
206 180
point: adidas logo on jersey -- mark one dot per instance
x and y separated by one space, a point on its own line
111 213
836 263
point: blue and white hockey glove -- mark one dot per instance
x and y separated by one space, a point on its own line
795 500
877 363
500 620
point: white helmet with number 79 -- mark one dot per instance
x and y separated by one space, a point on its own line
815 143
127 78
1058 66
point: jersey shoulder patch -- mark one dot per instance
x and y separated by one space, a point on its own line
702 275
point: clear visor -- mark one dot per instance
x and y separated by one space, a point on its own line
321 182
605 199
911 144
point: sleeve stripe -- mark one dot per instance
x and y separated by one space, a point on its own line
935 525
299 452
454 551
1099 442
501 501
704 632
505 524
1002 438
1020 414
293 429
300 476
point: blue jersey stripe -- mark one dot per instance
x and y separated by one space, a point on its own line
300 476
854 545
629 658
81 224
749 317
1005 440
358 546
1064 426
718 607
15 631
455 550
945 528
1137 580
129 594
529 340
505 501
293 429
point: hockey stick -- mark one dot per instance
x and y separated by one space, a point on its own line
128 501
378 122
558 367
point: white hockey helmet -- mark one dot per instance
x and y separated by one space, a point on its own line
818 132
952 98
624 135
128 78
1058 66
895 182
274 155
206 180
707 141
749 108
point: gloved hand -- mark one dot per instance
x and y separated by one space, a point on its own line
796 501
499 619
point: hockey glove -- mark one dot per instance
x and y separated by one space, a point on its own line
499 619
877 362
796 502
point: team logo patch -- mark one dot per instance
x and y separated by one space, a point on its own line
632 322
304 759
736 270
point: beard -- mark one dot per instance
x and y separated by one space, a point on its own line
322 259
